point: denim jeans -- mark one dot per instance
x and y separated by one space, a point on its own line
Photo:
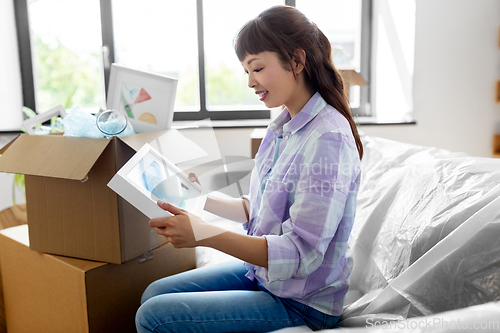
220 298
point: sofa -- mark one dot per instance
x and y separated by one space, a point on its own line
426 237
425 243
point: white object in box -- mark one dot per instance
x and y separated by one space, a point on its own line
148 177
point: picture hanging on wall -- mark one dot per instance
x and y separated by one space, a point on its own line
146 99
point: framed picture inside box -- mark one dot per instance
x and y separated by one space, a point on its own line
148 177
146 99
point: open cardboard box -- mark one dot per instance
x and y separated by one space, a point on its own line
49 293
70 209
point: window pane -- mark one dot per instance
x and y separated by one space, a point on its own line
226 84
66 44
160 36
340 21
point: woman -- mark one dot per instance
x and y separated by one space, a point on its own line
301 205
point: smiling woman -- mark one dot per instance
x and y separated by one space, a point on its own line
277 83
300 208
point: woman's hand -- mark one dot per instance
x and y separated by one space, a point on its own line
176 229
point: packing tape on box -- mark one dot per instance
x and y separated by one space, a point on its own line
146 256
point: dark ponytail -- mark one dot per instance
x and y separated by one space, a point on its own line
283 30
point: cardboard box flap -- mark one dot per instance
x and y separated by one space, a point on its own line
170 143
52 156
4 148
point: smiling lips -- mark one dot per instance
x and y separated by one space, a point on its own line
262 94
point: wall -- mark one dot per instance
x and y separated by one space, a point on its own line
10 73
457 62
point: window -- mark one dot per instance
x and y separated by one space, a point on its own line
73 43
10 79
226 86
66 44
160 36
341 21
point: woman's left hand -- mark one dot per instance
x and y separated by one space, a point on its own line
176 229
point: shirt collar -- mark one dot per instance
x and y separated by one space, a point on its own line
283 123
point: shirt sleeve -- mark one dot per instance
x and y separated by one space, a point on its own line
328 171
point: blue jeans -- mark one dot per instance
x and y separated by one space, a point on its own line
221 299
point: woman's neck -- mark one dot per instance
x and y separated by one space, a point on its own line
302 95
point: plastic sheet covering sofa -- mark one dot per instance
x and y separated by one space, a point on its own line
425 242
427 233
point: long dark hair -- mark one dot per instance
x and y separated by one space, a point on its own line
283 30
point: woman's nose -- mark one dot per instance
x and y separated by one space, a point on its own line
251 81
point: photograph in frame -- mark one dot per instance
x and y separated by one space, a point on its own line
148 177
147 99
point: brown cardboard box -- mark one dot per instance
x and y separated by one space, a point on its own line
49 293
9 217
71 211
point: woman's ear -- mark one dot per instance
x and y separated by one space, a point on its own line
299 61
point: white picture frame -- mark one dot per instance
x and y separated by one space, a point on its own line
146 99
30 123
148 177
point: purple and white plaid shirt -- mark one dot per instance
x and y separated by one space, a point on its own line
303 200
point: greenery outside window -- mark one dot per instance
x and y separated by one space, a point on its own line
71 45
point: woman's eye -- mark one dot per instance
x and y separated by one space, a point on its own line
257 70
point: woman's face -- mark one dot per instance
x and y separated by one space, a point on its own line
274 85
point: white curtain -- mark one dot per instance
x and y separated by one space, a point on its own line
11 99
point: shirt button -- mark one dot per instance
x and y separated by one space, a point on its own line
286 137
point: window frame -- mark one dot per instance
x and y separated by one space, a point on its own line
28 84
